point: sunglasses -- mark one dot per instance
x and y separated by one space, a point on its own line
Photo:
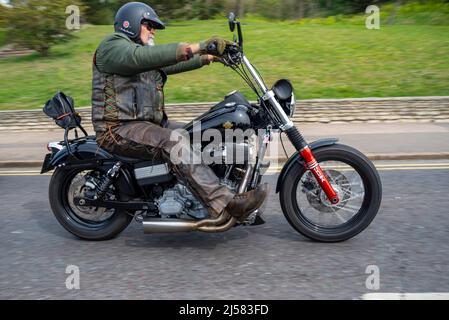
148 25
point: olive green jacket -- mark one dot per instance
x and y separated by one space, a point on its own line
128 79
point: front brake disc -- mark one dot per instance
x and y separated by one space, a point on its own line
317 197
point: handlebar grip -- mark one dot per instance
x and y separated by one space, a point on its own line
212 47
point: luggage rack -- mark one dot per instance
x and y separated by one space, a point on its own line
67 141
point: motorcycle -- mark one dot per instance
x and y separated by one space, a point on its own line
328 192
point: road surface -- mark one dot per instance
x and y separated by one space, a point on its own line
408 242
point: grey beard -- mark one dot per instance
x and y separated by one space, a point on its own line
150 42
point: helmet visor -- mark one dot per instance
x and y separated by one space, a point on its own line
153 20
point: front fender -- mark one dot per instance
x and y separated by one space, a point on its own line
297 157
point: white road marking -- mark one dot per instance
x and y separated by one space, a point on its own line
277 169
412 164
406 296
421 166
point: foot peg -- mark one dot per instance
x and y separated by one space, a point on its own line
258 221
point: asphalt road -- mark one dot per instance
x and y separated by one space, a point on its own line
408 242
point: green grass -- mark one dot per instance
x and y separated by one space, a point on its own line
323 61
420 12
2 37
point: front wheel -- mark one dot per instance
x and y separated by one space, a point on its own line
353 177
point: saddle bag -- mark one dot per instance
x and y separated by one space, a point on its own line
61 109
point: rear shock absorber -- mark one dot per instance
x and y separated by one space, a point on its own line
108 180
310 162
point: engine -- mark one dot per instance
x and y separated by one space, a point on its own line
179 202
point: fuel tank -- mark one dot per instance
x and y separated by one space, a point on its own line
234 112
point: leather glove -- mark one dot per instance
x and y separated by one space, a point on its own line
214 46
208 59
218 59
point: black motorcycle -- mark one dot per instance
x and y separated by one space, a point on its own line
328 191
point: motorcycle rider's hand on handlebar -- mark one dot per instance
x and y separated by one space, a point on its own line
215 46
208 59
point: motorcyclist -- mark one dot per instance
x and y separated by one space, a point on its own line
129 74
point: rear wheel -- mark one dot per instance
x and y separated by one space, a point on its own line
353 177
90 223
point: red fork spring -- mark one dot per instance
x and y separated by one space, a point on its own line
319 175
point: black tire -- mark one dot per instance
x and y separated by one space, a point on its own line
355 225
105 230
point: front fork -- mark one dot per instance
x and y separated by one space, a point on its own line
295 137
310 163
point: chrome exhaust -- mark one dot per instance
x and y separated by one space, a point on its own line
176 225
167 225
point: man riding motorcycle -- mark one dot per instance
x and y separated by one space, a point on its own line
129 74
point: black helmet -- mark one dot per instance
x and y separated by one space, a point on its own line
131 15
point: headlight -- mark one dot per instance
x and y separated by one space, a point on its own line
283 91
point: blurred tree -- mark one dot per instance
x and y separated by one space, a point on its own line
393 14
103 11
271 9
4 11
206 9
240 8
300 8
100 11
39 24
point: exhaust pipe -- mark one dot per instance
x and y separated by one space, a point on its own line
221 228
176 225
167 225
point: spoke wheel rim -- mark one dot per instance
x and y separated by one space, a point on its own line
331 170
72 213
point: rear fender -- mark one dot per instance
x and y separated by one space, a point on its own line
87 154
84 152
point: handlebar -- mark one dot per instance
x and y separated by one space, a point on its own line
232 55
